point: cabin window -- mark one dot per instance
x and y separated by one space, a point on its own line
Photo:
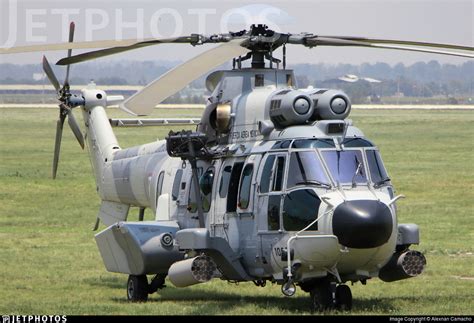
259 80
300 208
234 187
266 174
245 186
177 181
273 213
224 185
206 183
159 184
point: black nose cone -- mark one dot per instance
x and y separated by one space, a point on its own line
362 223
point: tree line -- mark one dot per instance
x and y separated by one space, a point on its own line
420 79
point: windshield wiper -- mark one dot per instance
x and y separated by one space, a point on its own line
314 182
357 171
380 183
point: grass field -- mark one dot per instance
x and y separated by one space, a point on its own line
50 263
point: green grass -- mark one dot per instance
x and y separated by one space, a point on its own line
50 263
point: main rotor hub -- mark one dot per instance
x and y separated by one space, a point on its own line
261 30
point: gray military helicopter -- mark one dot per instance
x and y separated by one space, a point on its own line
275 185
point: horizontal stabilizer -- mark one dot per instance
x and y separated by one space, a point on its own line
113 212
138 248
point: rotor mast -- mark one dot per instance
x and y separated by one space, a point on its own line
263 42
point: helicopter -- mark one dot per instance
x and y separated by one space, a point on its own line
275 185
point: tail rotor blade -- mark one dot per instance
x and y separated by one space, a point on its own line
50 74
71 120
72 28
57 143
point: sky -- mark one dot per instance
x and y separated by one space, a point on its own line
35 22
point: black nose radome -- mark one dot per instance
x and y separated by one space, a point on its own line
362 223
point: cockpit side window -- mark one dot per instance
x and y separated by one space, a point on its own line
273 174
279 174
266 174
378 173
273 212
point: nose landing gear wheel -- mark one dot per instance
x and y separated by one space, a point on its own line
137 288
343 298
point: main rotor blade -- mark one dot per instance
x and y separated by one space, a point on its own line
57 142
327 41
143 102
71 120
423 50
401 42
120 49
72 27
77 45
50 74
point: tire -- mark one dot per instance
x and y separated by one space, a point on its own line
320 299
137 288
343 298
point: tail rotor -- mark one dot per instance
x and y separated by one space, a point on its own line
67 102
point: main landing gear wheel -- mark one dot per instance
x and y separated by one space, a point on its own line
321 298
326 296
343 298
137 288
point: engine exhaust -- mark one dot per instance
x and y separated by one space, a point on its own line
404 265
193 271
